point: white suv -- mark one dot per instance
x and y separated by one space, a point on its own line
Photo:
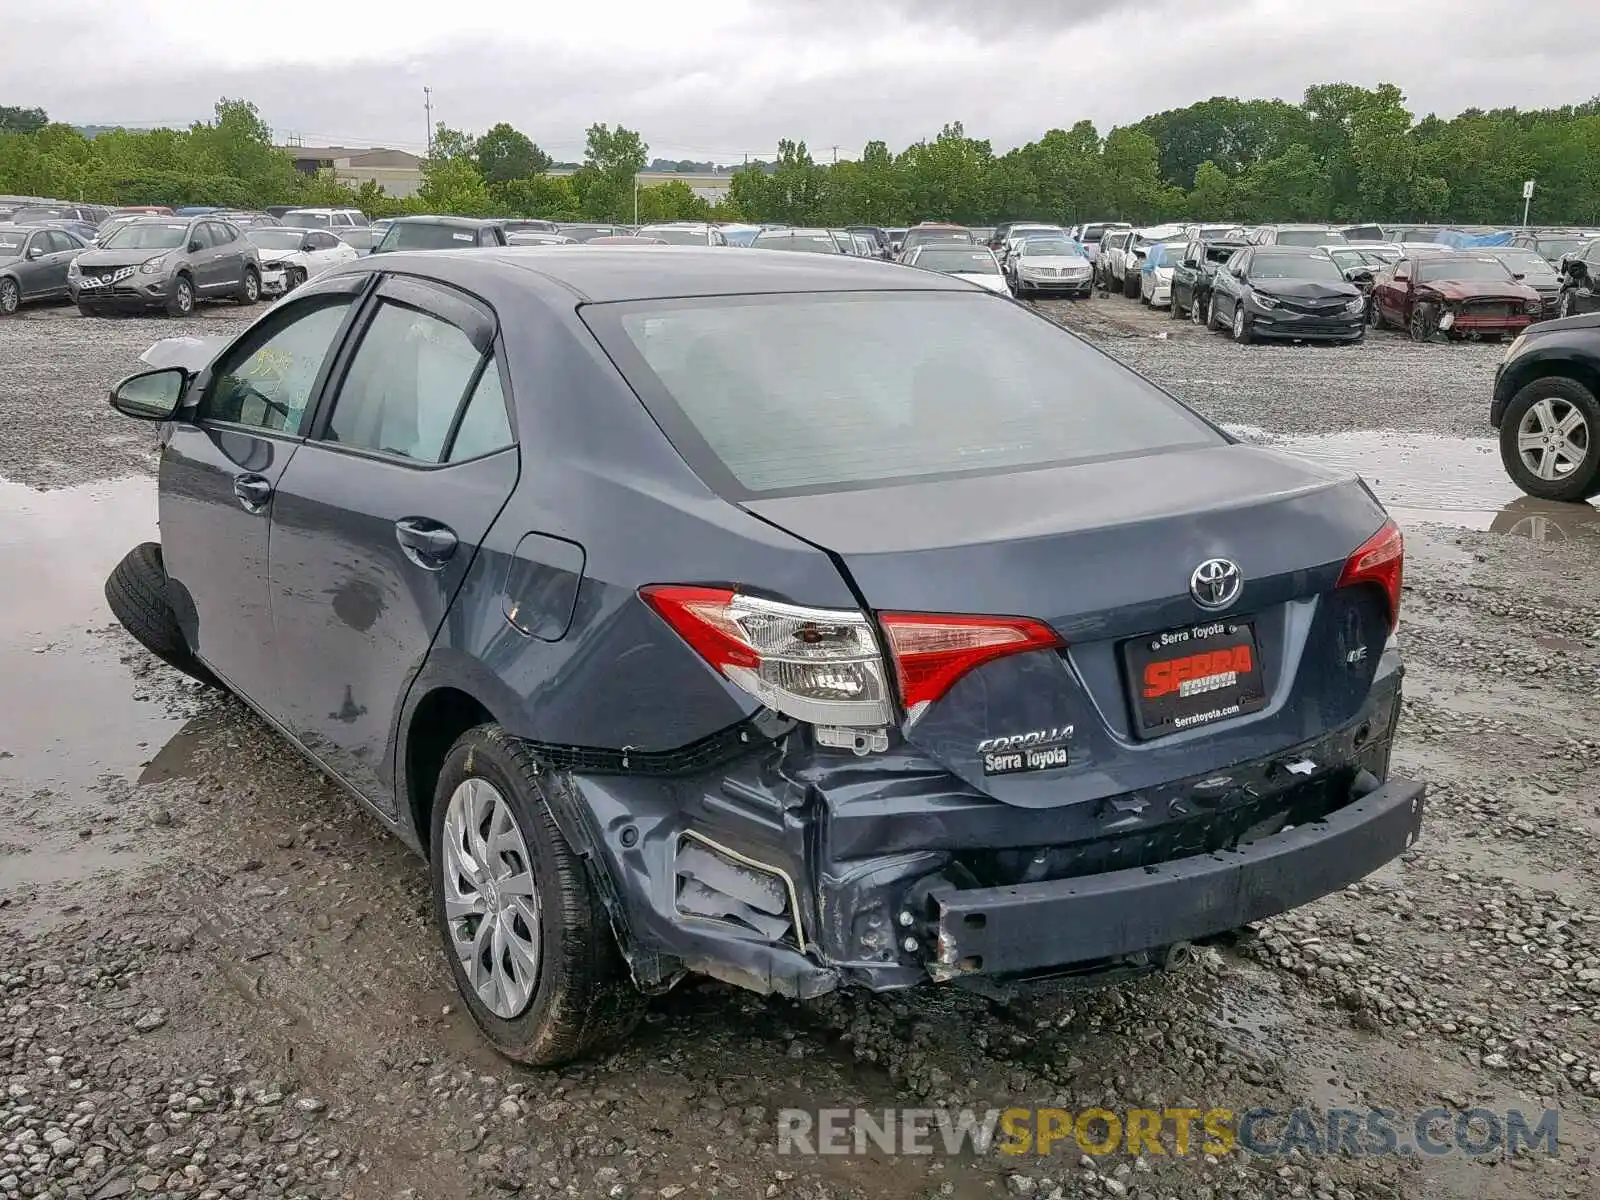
325 218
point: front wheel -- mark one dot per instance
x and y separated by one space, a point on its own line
137 594
10 296
1213 314
526 936
181 302
1241 326
1130 286
1548 439
1197 309
1421 325
1374 313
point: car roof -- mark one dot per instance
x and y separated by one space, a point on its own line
459 222
604 274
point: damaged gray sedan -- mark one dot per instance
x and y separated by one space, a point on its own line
686 622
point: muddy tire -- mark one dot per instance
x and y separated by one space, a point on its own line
1550 440
136 590
549 985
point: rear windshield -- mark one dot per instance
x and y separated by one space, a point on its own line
825 392
307 220
816 243
410 236
677 237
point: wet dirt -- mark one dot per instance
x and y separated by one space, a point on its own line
210 946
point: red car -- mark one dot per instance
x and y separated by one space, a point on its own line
1454 294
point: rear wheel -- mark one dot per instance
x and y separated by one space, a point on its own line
250 289
1548 439
136 590
525 934
10 296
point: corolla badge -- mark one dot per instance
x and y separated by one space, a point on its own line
1216 583
1036 750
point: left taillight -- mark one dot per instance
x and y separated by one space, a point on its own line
825 665
1379 561
821 665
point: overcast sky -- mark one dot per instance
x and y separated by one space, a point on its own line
718 79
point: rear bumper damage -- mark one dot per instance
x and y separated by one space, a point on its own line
795 870
1037 926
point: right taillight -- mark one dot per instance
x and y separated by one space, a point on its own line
1380 561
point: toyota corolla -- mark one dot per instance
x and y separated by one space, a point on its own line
797 620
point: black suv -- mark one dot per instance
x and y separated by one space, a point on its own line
1546 411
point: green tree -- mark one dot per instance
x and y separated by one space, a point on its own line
504 153
22 120
1212 195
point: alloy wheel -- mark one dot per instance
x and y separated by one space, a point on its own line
185 295
491 901
1238 321
252 287
1195 315
10 296
1553 438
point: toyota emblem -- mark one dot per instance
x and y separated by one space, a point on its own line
1216 583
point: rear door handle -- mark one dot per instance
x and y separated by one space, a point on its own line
426 543
252 491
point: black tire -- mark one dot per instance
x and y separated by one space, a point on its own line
1130 285
85 311
1173 311
136 590
181 302
1375 314
1582 481
1197 309
584 1000
1211 312
10 296
296 276
1240 330
250 291
1421 325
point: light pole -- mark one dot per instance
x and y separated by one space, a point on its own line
635 201
1527 199
427 107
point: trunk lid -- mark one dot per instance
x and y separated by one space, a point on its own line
1103 552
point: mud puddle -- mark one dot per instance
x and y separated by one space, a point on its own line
83 708
1427 478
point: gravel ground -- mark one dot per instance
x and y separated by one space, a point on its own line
217 978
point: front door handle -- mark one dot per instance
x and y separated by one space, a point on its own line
252 491
426 543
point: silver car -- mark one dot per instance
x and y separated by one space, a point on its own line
166 263
33 264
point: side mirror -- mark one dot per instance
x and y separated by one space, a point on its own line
194 246
1519 274
306 244
35 252
150 395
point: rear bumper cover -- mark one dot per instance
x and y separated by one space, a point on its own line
1037 926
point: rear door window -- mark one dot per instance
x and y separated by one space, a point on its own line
818 392
404 385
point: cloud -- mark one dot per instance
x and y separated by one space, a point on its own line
713 79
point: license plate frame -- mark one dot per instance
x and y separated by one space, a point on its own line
1221 676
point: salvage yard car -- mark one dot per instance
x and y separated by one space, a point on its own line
1579 271
165 263
960 260
675 606
290 256
1282 291
1546 412
1454 294
34 261
1192 274
1155 273
1049 264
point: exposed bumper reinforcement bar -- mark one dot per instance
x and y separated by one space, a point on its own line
1039 926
